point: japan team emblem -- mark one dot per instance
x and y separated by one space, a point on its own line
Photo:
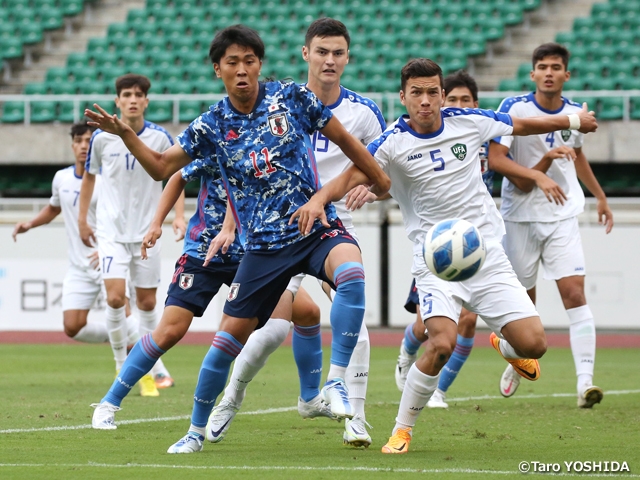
186 281
233 292
278 124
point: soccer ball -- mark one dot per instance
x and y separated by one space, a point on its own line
454 250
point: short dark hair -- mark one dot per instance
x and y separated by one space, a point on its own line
420 67
326 27
131 80
238 35
80 128
461 79
551 49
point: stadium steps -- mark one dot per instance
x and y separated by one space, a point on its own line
92 23
554 16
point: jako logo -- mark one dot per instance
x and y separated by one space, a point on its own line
361 374
317 370
349 334
414 157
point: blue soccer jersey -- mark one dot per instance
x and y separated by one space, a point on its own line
266 159
206 223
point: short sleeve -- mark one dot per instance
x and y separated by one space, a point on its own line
312 111
94 160
579 140
198 139
378 149
504 108
194 170
55 191
375 124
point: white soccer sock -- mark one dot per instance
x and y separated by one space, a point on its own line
132 330
199 430
93 332
253 357
582 334
507 350
357 373
117 328
336 371
417 392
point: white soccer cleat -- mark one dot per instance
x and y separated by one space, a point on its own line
314 408
437 400
355 432
104 416
336 394
190 443
509 381
590 396
220 420
405 360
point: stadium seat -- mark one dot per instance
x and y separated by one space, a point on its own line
611 108
492 28
71 8
105 59
137 16
180 86
78 59
35 89
635 108
62 88
98 45
57 75
159 111
83 74
510 13
66 112
31 33
118 30
124 45
524 71
43 112
51 18
145 31
13 112
134 59
489 103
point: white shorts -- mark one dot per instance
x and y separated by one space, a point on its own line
80 288
494 292
124 260
556 244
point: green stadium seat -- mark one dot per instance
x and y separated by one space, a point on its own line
492 28
87 86
180 86
84 73
482 10
159 111
584 25
602 10
43 112
13 112
50 18
137 16
611 108
588 70
635 108
7 30
566 38
510 85
164 59
211 86
145 31
134 59
57 75
624 38
35 89
184 44
118 30
172 31
524 70
98 45
194 58
153 45
600 84
474 44
109 74
31 33
201 73
78 59
62 88
631 83
511 13
71 8
622 70
529 5
145 70
165 16
66 112
10 48
124 44
105 59
574 83
489 103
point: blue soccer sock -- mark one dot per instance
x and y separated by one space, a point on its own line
307 351
455 363
213 376
347 313
142 357
410 342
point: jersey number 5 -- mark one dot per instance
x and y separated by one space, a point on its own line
254 159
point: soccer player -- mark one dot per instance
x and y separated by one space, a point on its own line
128 199
326 50
461 91
259 137
539 231
431 156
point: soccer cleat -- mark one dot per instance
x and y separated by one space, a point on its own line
220 420
399 441
190 443
148 386
590 396
163 381
509 381
355 432
335 394
437 400
314 408
104 416
528 368
405 360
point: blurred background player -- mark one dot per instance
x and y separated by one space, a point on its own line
128 200
326 50
538 231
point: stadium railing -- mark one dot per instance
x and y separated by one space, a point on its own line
388 102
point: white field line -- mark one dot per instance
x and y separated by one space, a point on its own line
306 469
289 409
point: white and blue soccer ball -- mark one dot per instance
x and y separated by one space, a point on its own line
454 250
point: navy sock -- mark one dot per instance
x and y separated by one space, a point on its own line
213 376
307 351
142 357
347 311
410 342
452 367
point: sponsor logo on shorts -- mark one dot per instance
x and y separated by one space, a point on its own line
331 234
233 292
186 281
579 269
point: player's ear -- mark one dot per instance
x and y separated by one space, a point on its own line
347 56
216 68
402 98
305 53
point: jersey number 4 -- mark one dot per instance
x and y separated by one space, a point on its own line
254 159
550 139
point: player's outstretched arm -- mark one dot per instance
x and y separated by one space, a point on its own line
170 195
358 154
586 176
179 224
158 165
224 239
522 177
584 121
86 192
46 215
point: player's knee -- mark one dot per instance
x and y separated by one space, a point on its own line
73 322
115 300
167 336
71 330
536 345
306 315
146 304
573 298
443 345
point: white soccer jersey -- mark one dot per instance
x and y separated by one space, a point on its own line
362 118
437 176
65 193
129 196
518 206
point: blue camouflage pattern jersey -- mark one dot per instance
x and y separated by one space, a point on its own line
265 158
206 223
487 175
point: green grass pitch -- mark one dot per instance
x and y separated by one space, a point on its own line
481 435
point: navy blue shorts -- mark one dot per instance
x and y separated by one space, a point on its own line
413 300
193 286
263 275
